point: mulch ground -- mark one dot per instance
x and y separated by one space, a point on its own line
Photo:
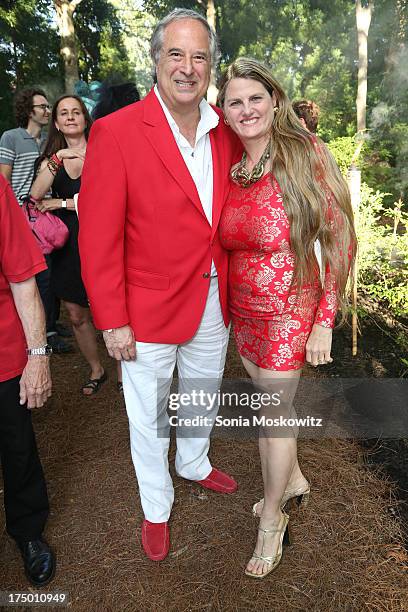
347 553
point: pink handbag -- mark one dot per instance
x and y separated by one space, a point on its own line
50 231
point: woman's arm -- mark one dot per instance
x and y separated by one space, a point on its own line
49 168
327 308
43 181
55 204
318 345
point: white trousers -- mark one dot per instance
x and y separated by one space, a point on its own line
146 384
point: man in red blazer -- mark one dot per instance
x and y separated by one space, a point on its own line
153 186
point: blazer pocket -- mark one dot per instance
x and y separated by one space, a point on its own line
150 280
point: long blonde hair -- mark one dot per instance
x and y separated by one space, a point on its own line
315 195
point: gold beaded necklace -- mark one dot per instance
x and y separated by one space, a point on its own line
240 174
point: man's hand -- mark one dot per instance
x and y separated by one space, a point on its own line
120 343
35 382
318 345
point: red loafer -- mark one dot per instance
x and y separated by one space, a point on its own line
218 481
155 540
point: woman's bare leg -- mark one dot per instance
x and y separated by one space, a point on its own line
86 337
280 469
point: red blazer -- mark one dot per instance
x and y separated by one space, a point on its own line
145 242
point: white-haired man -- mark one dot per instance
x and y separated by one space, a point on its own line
152 262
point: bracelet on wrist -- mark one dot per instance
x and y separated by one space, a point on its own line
52 166
56 159
40 350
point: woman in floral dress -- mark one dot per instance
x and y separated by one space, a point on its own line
288 225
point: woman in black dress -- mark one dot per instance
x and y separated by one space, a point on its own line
60 170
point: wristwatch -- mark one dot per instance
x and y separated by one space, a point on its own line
63 204
40 350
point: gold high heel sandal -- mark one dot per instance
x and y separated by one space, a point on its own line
273 560
300 495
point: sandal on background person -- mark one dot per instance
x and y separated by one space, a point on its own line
94 384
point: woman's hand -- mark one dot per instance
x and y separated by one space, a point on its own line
71 153
48 204
318 345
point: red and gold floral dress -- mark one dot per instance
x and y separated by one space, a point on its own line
271 320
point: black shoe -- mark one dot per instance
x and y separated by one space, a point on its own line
58 345
63 330
39 561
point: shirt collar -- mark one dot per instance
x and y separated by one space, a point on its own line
25 134
208 118
28 136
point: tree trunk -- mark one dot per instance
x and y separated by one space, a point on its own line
212 89
211 13
401 9
363 20
65 11
16 65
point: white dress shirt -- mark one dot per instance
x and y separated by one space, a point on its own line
198 159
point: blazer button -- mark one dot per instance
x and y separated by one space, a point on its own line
206 275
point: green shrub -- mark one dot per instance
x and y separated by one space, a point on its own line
343 150
383 250
382 232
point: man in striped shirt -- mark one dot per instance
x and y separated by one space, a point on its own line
20 147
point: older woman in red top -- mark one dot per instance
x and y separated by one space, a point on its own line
286 194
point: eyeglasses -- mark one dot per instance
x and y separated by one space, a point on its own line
43 106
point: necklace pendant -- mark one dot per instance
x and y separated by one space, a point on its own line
240 174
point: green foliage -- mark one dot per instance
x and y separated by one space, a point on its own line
101 47
343 150
136 26
383 251
30 48
310 46
388 99
29 52
382 233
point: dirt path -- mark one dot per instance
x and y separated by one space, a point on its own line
346 556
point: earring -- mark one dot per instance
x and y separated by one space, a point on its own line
275 109
225 121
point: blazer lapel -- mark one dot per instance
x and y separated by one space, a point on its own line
217 151
160 136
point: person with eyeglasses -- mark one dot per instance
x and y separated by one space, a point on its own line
20 147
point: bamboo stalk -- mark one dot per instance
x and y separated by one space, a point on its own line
354 181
